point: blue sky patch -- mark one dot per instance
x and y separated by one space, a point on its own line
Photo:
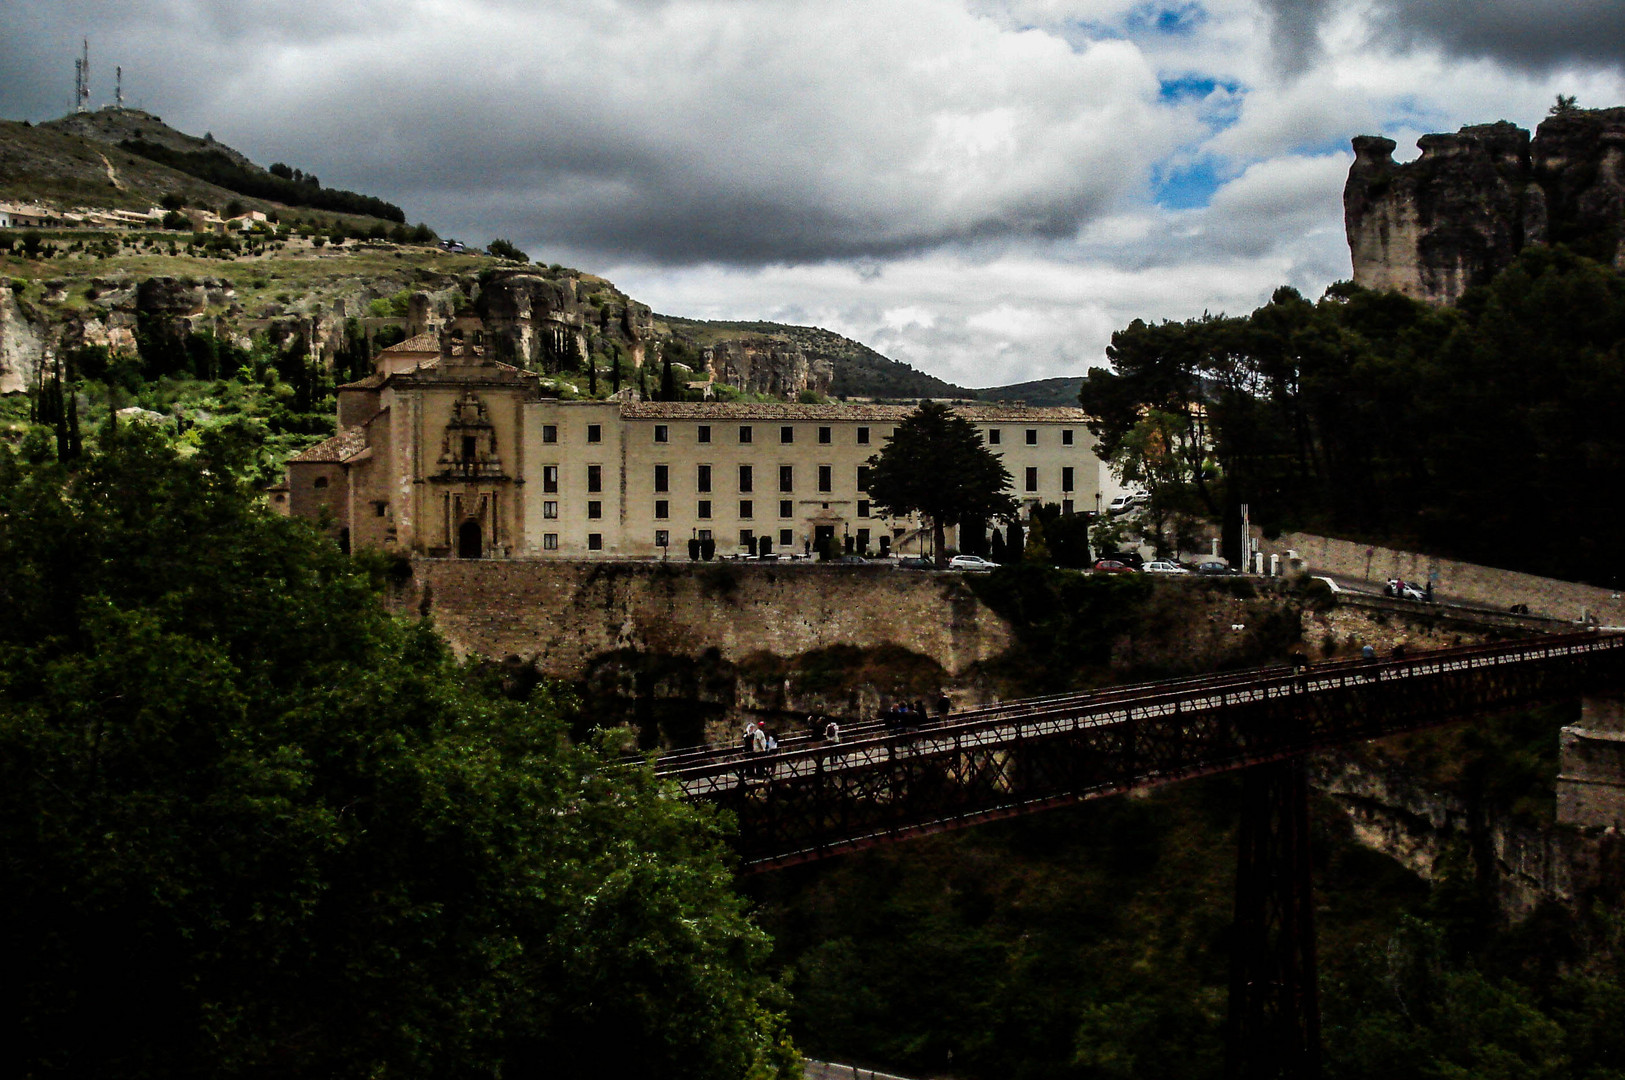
1185 187
1167 18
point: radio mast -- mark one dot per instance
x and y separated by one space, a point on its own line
81 79
118 87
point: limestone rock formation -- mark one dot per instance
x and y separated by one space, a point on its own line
1461 212
766 365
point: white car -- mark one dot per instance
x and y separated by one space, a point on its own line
1163 567
1124 503
971 562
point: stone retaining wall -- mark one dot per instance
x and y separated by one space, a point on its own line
561 614
1463 581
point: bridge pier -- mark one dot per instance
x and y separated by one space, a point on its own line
1273 1029
1591 783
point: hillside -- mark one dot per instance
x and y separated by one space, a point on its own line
1063 391
129 159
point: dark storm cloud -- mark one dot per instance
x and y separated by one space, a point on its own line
1295 32
1535 36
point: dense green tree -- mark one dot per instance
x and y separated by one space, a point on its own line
934 464
507 249
250 823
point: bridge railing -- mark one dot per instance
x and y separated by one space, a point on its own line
816 798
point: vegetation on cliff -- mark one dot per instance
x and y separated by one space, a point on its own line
1485 432
251 824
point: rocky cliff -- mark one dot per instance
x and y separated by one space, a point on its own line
1458 214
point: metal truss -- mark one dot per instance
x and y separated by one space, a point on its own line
811 800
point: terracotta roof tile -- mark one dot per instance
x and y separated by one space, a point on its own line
423 343
340 448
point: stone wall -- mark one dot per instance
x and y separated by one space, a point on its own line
561 615
1463 581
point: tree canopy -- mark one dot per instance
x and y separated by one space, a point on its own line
250 823
1482 431
935 465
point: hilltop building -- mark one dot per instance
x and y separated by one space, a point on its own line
444 452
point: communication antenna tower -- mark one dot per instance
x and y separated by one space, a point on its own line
81 91
118 86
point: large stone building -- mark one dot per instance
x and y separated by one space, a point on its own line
443 452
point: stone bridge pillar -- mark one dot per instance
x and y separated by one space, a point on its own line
1591 777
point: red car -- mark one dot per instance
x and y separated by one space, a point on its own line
1112 566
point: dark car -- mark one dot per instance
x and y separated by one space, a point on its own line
1131 559
914 562
1214 566
850 560
1112 566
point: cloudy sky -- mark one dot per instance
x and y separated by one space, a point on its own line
985 189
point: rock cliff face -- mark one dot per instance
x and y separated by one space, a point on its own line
1462 211
766 365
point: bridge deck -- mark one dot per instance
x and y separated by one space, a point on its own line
812 799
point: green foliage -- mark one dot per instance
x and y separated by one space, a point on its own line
219 168
252 824
507 249
1372 415
934 464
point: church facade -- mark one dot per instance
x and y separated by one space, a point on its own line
445 453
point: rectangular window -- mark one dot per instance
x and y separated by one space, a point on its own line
747 538
787 434
595 541
1066 436
863 508
1066 507
705 433
550 479
662 538
863 478
787 538
550 541
824 435
1032 436
704 510
595 433
787 477
993 436
662 478
746 510
787 508
826 480
379 509
662 509
595 478
662 433
744 478
863 539
1066 478
595 509
550 510
550 433
744 433
702 478
1032 478
863 436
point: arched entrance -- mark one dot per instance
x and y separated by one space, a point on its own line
470 540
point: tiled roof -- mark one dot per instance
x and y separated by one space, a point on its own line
423 343
785 411
340 448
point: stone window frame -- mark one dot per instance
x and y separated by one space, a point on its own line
595 510
662 433
595 433
595 541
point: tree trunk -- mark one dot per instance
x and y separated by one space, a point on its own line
939 537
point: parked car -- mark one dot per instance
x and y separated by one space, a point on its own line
1131 559
850 560
1405 590
915 562
1214 566
1122 503
971 562
1163 566
1112 566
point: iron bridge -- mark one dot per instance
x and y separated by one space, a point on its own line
811 799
